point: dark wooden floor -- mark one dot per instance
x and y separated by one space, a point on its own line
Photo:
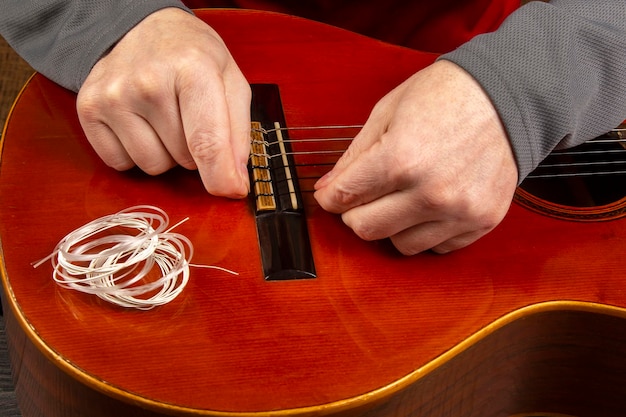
13 74
8 403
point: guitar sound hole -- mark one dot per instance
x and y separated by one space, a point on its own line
579 192
586 182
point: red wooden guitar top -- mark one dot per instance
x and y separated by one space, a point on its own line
374 332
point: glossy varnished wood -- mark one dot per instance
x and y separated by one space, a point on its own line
474 333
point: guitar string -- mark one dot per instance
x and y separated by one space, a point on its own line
570 153
609 141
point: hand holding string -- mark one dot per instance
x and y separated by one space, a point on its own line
163 97
431 169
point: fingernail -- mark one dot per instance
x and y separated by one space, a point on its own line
323 181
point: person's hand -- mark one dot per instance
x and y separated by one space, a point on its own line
168 93
432 168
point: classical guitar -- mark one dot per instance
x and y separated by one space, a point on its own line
528 321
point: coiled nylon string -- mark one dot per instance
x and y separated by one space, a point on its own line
112 257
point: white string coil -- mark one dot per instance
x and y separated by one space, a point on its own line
112 257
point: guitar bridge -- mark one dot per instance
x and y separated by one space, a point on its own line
279 213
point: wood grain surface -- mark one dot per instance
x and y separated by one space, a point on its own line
529 319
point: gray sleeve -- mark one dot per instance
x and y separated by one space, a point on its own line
556 73
63 39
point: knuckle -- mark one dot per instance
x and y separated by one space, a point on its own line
406 247
195 63
490 219
204 147
120 164
463 206
483 213
363 229
95 100
149 165
156 167
458 242
192 55
344 195
149 87
441 199
447 247
187 162
89 105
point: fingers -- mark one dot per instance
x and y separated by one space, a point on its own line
432 168
161 98
135 143
362 174
103 140
125 132
416 222
157 104
356 184
435 236
216 123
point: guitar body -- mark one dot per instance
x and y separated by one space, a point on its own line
530 319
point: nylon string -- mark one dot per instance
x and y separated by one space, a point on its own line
112 256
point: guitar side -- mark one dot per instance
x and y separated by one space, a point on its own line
528 319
